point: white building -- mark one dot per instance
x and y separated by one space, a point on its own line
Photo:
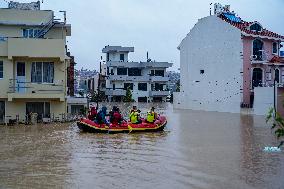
224 60
147 80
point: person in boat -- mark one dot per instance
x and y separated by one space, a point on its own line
111 113
134 108
151 115
135 116
116 117
101 116
93 113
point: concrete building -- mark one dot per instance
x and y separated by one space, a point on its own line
33 62
147 80
224 60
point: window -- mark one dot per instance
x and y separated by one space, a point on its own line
256 27
257 75
134 72
42 72
152 73
257 49
274 48
107 57
128 85
142 86
201 71
41 108
1 69
158 87
31 33
122 57
121 71
159 73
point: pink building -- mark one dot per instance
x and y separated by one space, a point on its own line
228 63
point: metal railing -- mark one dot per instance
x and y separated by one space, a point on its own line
16 86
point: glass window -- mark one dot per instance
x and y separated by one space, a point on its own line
25 33
48 72
31 33
142 86
42 72
134 72
274 48
159 73
128 85
256 27
122 57
1 69
121 71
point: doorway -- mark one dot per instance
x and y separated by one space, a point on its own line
21 77
41 108
257 76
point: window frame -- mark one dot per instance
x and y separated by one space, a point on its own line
275 43
28 30
143 89
2 65
36 71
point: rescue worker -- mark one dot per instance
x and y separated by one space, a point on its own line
117 117
101 116
151 115
135 116
93 113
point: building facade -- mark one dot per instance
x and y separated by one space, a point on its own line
146 80
33 63
226 62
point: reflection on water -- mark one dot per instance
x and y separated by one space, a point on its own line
197 150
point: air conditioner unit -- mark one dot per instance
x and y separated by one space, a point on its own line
253 57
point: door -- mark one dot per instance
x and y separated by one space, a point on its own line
21 77
41 108
2 111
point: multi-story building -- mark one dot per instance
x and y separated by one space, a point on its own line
146 80
33 62
228 63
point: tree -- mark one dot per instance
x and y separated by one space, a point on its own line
128 96
178 86
277 124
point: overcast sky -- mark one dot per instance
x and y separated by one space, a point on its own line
157 26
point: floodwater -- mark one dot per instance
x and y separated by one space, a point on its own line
203 150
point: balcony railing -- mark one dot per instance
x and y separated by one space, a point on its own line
116 92
159 93
128 78
259 57
18 87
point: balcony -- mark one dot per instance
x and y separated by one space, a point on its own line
159 93
159 79
27 90
116 92
128 78
35 48
260 57
139 64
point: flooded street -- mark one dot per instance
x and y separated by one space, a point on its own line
200 150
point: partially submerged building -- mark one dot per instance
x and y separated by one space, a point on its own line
146 80
33 63
228 64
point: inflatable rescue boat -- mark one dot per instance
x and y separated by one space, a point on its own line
87 125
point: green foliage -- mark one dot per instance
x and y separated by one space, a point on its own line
277 124
178 86
98 97
128 96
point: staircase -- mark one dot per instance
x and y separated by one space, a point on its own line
44 29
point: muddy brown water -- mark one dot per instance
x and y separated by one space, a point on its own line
199 149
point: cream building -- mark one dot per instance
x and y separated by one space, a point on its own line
33 63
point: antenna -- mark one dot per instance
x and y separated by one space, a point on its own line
211 9
147 55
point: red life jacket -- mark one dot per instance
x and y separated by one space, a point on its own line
116 117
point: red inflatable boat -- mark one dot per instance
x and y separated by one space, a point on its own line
125 127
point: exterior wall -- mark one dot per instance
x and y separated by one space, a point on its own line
27 17
280 101
7 75
263 100
215 47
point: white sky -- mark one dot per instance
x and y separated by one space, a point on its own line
157 26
